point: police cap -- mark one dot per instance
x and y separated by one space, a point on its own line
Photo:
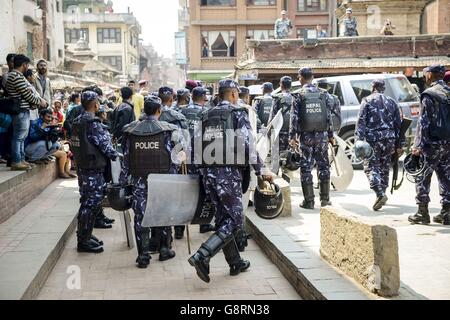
165 91
435 68
228 84
88 96
447 76
286 80
378 83
198 92
182 92
267 86
244 90
305 71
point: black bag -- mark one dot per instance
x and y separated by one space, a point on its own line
10 106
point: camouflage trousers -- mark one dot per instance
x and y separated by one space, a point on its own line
377 167
92 191
440 163
314 151
224 187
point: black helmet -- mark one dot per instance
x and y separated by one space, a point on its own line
363 150
416 167
290 160
120 197
268 203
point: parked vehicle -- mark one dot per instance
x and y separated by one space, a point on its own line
353 88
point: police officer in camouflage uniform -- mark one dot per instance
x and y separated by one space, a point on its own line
183 99
223 180
174 117
379 124
350 24
311 127
92 148
193 115
433 141
148 145
263 104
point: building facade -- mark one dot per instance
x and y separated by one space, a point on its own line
436 17
23 29
112 37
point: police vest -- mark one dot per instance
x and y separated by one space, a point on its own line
285 102
148 153
221 146
174 117
265 105
313 113
440 119
193 117
87 155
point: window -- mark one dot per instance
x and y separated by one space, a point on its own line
60 53
362 88
311 5
217 2
108 35
261 2
338 92
57 6
87 10
260 34
73 35
30 45
301 32
133 40
113 61
218 43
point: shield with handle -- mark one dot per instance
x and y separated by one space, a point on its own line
341 165
176 200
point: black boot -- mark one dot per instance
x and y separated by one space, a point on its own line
324 190
241 238
204 228
233 258
422 216
102 216
200 260
308 194
84 235
380 201
165 253
143 246
100 242
155 240
100 223
440 217
179 232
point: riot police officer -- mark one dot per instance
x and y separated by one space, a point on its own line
311 126
222 177
148 144
183 99
379 125
433 142
193 115
92 147
176 118
263 104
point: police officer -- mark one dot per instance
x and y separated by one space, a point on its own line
311 125
92 147
183 99
350 24
433 141
379 125
284 102
148 144
336 107
263 104
222 179
174 117
193 115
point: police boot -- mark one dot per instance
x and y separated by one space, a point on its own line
308 194
100 223
143 246
324 190
233 258
422 216
165 253
380 201
84 234
105 218
155 239
179 232
440 217
208 249
204 228
241 238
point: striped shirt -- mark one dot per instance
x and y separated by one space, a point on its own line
17 87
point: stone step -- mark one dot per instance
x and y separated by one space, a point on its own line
31 240
18 188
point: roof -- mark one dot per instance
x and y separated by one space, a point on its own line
96 65
346 63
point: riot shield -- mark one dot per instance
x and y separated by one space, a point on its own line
341 166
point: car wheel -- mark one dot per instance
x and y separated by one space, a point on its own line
349 138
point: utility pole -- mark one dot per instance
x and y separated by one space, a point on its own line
44 29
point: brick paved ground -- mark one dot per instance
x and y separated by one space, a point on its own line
113 275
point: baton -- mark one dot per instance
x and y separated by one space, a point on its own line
188 238
333 156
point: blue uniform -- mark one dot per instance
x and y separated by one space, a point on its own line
313 145
379 124
437 152
350 27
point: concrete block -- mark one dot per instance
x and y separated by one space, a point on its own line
286 191
365 251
